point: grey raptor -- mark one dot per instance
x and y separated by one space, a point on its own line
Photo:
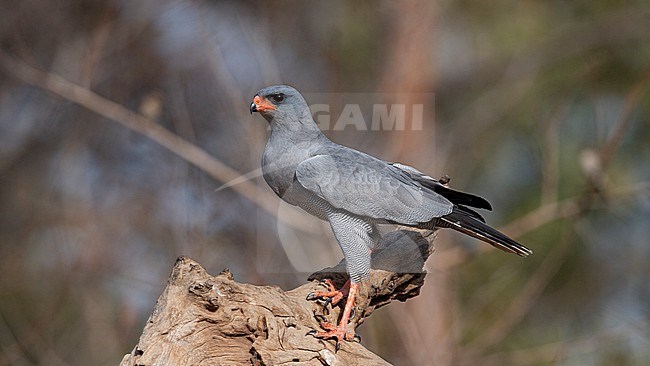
354 192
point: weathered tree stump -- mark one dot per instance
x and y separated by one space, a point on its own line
204 320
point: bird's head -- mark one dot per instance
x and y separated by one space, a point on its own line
280 102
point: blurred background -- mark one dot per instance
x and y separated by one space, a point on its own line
540 106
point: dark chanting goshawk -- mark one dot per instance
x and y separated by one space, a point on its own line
355 192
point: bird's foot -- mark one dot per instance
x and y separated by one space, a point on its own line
339 333
332 295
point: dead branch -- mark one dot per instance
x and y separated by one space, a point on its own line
213 320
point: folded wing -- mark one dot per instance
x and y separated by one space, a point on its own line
367 186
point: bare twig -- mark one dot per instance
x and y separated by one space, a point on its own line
520 306
566 208
551 153
610 28
136 122
99 37
594 162
13 351
548 213
632 100
541 216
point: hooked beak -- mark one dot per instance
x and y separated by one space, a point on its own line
261 104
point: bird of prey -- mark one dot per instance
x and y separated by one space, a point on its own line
354 192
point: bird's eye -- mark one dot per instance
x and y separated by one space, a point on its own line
279 97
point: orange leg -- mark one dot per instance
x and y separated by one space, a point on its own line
340 332
332 295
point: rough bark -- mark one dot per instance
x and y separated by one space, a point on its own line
213 320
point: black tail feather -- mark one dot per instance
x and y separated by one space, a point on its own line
455 197
462 198
471 212
461 221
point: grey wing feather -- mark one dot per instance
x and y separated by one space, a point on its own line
369 187
411 170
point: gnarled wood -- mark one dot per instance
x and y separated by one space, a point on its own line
213 320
